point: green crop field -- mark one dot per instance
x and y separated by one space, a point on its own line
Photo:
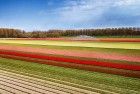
98 80
69 47
101 79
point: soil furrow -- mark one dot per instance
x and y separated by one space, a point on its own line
36 86
78 90
4 91
12 88
44 85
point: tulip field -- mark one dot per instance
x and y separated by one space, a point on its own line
104 65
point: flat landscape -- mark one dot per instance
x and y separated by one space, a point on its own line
70 66
69 46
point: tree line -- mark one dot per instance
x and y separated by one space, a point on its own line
17 33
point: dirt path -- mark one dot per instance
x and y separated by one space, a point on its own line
11 83
87 54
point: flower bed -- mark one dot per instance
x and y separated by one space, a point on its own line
76 61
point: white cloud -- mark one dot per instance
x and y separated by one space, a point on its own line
86 11
126 2
78 11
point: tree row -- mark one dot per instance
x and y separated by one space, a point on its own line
16 33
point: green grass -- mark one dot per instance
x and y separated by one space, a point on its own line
87 78
118 45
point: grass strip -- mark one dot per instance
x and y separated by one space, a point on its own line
122 72
75 61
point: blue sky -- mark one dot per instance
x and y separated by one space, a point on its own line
68 14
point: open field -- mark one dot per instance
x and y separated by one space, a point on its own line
74 53
69 46
98 81
94 55
98 39
95 66
75 61
136 52
17 83
119 45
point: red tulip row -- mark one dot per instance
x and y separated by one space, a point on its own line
70 60
115 71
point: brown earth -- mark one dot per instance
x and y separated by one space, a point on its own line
21 84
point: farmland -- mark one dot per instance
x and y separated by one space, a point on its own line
85 78
77 44
69 46
95 66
